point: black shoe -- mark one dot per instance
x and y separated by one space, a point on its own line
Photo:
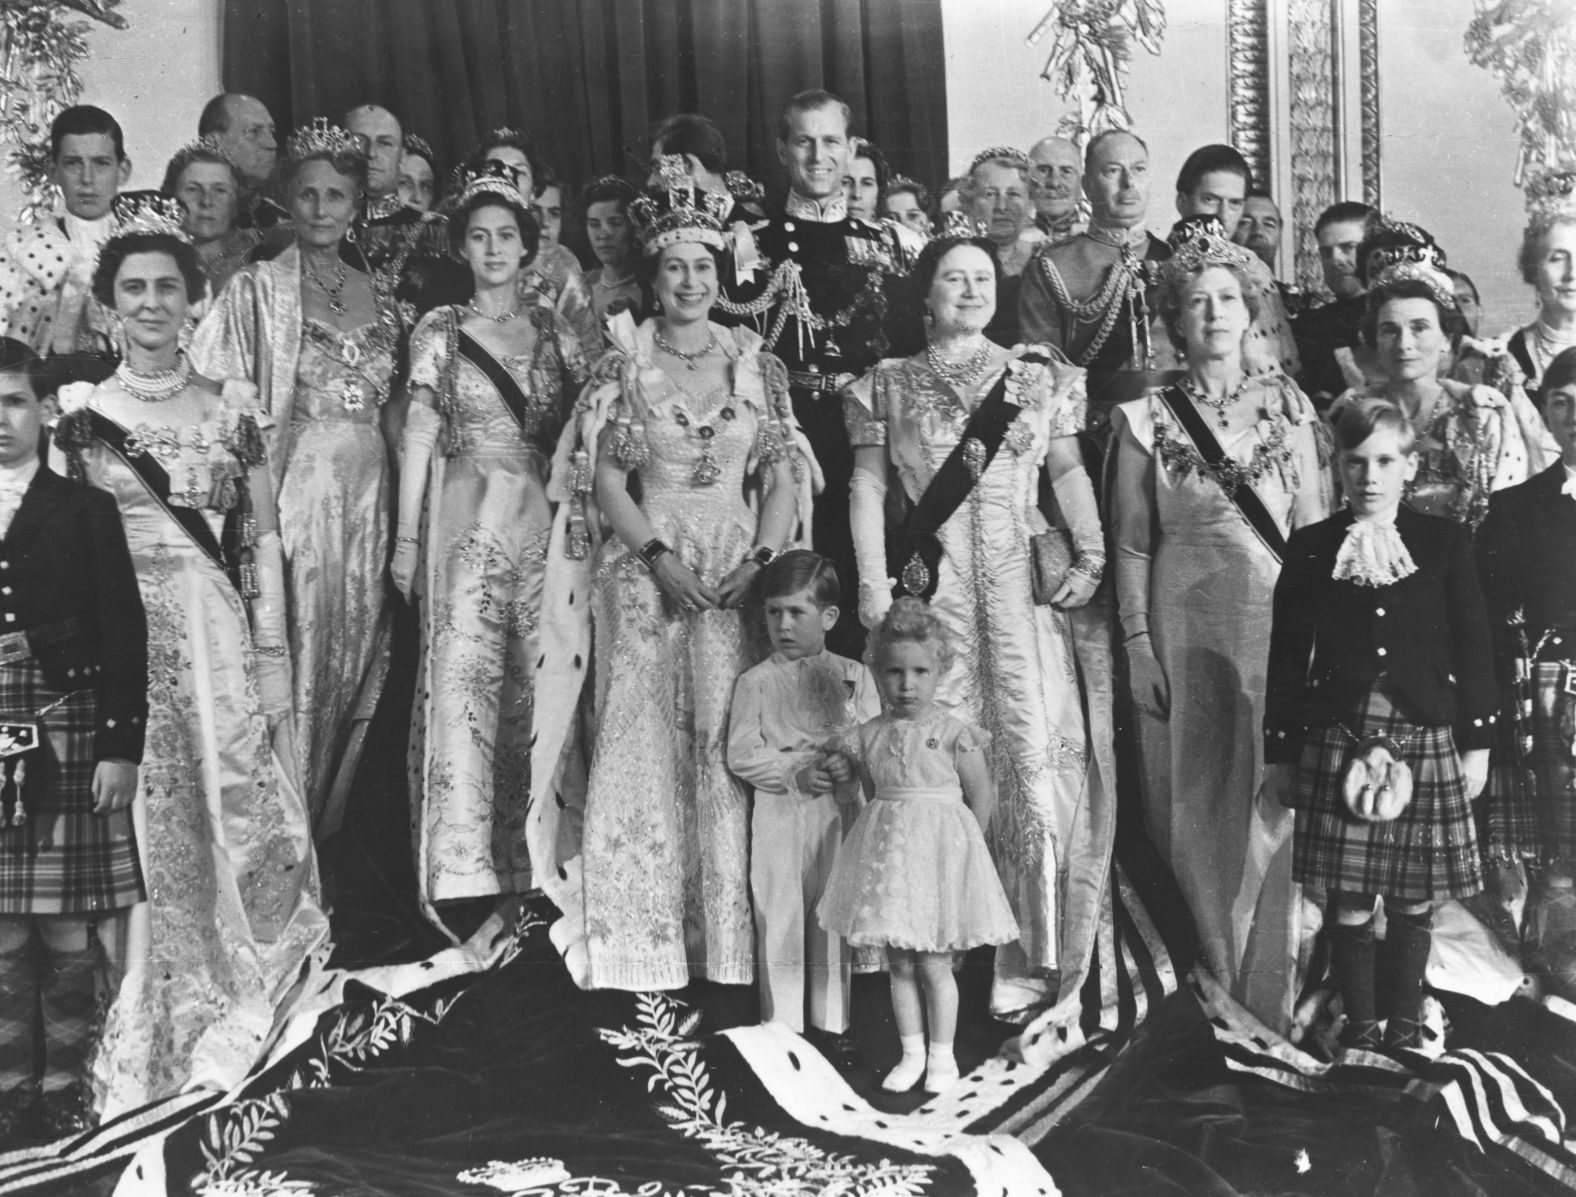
19 1115
67 1112
840 1049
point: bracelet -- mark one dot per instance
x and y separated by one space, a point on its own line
762 555
270 650
652 550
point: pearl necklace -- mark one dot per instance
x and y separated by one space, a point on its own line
1551 342
689 359
500 318
960 373
155 388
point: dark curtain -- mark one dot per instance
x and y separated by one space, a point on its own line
587 78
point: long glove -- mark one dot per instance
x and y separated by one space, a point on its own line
1075 496
415 457
270 636
867 522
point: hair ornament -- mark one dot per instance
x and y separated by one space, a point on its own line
1198 243
149 212
1551 197
321 138
419 146
1000 153
495 178
1399 251
202 149
958 223
678 211
1439 284
903 183
743 188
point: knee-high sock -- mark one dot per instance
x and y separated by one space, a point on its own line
1403 959
18 1015
70 1002
1352 958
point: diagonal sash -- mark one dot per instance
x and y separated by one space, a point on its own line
1245 498
503 382
914 548
157 479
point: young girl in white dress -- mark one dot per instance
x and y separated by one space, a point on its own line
914 875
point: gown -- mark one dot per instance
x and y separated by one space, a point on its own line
484 550
232 912
1187 556
334 522
1018 664
660 888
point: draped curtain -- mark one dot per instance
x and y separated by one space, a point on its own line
587 78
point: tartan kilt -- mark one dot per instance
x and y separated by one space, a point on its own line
1429 851
63 859
1511 826
1550 776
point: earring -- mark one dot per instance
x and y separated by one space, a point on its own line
930 316
118 334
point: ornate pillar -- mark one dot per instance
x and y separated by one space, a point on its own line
1249 51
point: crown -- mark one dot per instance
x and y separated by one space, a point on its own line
149 212
204 149
678 211
1198 243
999 153
419 146
1551 197
320 138
493 177
958 223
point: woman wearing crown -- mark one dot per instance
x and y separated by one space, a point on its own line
319 339
1209 477
232 911
970 432
491 383
699 416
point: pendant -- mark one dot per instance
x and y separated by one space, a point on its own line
706 471
693 365
353 397
915 576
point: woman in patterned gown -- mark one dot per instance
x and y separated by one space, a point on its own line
232 911
693 411
1194 584
1019 659
491 383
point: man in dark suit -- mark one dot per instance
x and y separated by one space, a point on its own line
73 710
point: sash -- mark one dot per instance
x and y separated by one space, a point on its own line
1245 498
914 548
1517 348
157 479
503 382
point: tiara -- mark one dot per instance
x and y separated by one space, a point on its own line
1407 242
321 138
492 177
1199 245
999 153
1439 283
417 145
1551 197
149 212
681 212
192 151
743 188
958 223
902 183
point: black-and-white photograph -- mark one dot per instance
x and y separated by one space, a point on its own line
813 598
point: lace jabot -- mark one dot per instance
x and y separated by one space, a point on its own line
1373 554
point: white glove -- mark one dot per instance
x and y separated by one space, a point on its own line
867 521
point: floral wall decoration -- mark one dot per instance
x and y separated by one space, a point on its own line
1091 46
41 43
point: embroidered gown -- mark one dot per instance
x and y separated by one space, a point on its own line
1186 556
232 911
661 887
484 545
1017 670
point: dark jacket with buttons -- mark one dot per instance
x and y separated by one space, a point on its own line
67 582
1330 640
1527 556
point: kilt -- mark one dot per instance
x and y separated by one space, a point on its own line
1429 851
63 859
1550 779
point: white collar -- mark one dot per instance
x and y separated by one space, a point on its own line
92 233
1568 487
18 477
801 662
801 207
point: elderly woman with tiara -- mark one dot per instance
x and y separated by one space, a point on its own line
319 339
699 416
491 383
1209 476
232 911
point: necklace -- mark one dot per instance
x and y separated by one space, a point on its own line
1220 405
707 470
501 317
689 359
335 303
155 388
964 371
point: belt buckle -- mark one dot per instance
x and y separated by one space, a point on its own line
14 647
1569 684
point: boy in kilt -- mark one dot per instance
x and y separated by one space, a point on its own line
73 707
1378 719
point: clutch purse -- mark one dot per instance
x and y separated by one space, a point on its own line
1377 783
1050 560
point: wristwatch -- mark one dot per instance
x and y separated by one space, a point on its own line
762 556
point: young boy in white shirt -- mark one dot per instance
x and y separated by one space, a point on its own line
785 732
